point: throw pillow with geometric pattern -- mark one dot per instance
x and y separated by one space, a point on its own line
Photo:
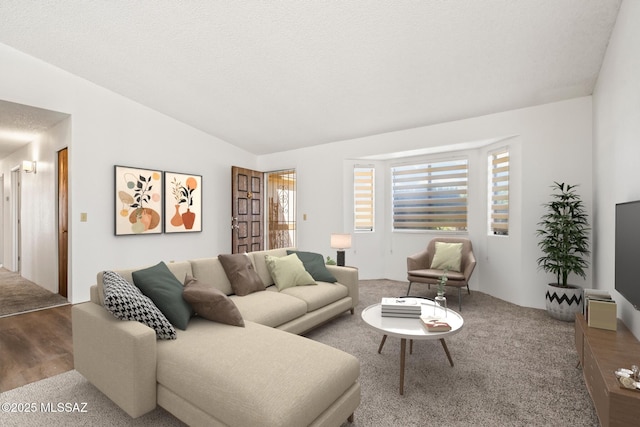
126 302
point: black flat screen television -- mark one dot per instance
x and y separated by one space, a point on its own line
627 258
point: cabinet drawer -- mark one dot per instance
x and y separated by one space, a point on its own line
596 386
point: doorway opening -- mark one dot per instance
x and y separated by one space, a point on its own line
252 194
281 199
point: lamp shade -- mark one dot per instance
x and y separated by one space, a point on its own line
340 241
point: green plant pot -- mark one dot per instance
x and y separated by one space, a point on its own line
564 303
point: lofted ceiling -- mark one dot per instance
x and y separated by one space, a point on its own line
270 76
20 124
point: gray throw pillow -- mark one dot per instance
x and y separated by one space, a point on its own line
240 272
314 264
126 302
159 284
211 303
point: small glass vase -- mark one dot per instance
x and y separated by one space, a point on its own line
440 301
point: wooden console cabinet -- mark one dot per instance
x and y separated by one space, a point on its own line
601 352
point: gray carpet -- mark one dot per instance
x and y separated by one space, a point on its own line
19 295
514 366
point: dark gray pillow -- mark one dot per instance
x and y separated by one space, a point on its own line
314 264
159 284
211 303
126 302
240 272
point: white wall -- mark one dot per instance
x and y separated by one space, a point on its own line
616 146
39 261
551 143
106 130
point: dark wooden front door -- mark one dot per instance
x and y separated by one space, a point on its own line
247 216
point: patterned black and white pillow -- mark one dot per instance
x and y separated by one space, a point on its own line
126 302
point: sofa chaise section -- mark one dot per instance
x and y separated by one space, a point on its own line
256 375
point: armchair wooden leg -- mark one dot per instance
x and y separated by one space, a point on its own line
409 288
459 299
350 419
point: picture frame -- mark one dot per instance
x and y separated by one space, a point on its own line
138 200
183 202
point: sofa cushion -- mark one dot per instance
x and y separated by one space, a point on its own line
240 272
211 271
288 271
436 274
254 376
160 284
179 269
318 296
211 303
270 308
314 264
260 265
126 302
448 255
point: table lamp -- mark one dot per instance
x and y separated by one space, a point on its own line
340 242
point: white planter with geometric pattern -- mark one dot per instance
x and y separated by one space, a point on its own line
564 303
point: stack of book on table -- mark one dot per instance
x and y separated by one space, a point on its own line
400 307
435 324
600 310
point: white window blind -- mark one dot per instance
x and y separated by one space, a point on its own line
430 196
363 191
499 192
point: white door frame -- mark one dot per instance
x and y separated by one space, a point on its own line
15 218
2 222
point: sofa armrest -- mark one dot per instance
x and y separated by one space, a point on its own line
116 356
418 261
347 276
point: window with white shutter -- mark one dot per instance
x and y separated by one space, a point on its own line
499 192
430 195
363 197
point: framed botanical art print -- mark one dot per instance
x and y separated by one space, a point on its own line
183 202
138 201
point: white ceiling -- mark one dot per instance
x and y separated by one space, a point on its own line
20 124
270 76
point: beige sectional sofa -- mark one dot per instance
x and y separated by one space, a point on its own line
215 374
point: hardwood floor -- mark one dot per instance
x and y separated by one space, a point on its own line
34 346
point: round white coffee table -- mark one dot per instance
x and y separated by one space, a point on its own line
412 328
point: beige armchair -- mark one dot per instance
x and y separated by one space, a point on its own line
419 267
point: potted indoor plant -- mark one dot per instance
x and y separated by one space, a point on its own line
564 240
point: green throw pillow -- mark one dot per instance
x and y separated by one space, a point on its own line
162 287
314 264
448 255
288 271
